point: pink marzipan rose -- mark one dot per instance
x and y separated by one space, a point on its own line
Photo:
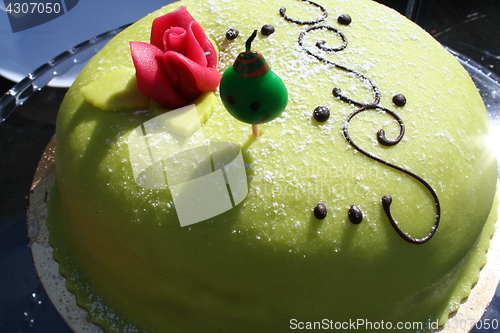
180 62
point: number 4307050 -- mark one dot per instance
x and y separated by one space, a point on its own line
33 8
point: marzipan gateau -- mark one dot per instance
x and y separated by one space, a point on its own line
364 192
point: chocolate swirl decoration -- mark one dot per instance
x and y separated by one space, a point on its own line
320 45
364 107
387 199
321 19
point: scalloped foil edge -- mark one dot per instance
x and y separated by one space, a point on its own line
470 312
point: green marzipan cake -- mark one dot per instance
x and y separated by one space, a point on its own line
275 260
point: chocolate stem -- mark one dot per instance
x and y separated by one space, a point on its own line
248 44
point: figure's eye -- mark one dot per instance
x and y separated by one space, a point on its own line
255 106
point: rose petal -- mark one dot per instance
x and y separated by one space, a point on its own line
178 18
191 77
151 79
210 56
185 41
182 79
196 39
175 39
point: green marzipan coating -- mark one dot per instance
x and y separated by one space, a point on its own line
269 260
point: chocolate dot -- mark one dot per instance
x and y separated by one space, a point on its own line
230 99
336 91
320 211
344 19
355 214
267 30
321 113
399 100
255 106
232 34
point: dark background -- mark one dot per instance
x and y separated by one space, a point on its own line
470 27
